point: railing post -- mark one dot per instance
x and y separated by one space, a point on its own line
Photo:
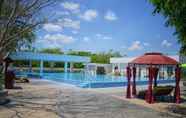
30 66
66 67
41 67
71 67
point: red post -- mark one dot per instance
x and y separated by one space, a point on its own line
177 88
134 81
156 70
128 95
149 95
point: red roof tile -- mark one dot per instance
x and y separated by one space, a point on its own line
155 59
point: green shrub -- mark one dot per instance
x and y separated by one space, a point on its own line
157 91
183 74
1 81
162 90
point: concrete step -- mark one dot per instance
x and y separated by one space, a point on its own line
3 93
3 97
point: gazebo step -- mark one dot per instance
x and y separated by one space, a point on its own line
183 89
184 84
3 93
3 97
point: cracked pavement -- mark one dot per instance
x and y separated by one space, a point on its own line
42 99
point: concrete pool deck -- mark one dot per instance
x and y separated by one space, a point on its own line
46 99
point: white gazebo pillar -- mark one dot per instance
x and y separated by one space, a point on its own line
113 67
66 67
41 67
71 67
86 69
30 65
139 72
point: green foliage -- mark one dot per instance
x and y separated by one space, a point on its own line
19 20
79 53
100 58
51 51
78 65
95 58
1 81
175 15
104 57
183 74
14 26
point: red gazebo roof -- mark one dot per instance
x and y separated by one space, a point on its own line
154 58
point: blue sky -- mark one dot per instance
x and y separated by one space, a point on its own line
127 26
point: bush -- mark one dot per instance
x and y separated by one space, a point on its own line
1 82
162 90
183 74
157 91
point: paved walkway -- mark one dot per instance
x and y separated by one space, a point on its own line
44 100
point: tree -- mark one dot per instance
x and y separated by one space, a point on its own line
104 57
18 20
52 51
175 15
79 53
97 57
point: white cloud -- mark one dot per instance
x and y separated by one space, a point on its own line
61 24
71 6
99 35
146 44
136 45
71 24
165 43
107 37
104 37
110 16
86 39
75 32
50 27
89 15
58 38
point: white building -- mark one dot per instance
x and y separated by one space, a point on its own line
93 68
120 62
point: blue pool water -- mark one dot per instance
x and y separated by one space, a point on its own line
92 81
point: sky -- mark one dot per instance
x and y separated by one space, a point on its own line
127 26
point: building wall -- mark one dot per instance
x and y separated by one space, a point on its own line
92 67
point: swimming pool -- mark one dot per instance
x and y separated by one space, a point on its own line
84 80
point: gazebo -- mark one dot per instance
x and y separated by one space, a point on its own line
153 62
